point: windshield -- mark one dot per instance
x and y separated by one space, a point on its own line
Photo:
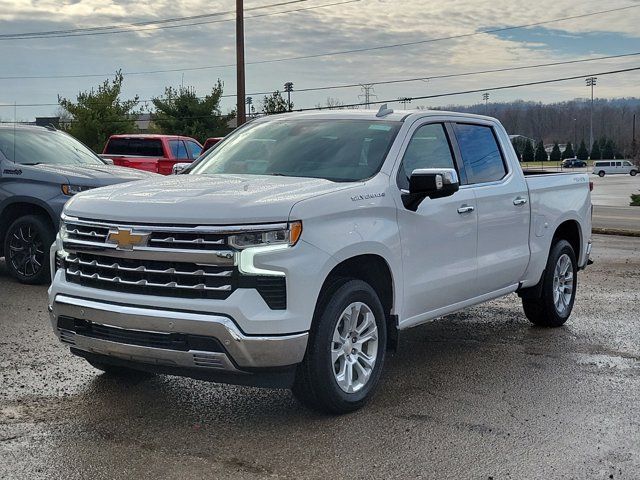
33 147
337 150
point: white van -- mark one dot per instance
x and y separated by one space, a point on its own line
608 167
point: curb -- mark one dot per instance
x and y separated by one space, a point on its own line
616 231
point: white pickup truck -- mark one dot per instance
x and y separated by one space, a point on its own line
294 253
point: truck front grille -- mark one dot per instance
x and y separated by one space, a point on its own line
150 277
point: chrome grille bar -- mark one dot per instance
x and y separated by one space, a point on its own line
143 269
146 283
195 241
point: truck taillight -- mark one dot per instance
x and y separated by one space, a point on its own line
591 186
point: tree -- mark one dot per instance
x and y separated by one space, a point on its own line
556 155
568 151
608 152
331 103
181 112
582 153
595 152
540 153
274 103
99 113
527 152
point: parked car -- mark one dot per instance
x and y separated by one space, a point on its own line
573 163
612 167
294 254
153 153
40 169
210 142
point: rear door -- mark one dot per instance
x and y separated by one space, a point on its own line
503 213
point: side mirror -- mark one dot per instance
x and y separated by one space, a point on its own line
432 183
178 168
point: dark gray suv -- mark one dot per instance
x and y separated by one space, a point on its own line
40 169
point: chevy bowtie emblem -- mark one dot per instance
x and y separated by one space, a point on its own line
126 239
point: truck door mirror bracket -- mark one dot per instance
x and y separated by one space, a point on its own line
429 182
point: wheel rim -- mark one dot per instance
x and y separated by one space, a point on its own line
563 284
26 251
354 347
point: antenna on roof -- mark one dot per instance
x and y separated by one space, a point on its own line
384 111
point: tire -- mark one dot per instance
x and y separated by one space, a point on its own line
601 173
322 380
26 249
633 173
553 307
121 372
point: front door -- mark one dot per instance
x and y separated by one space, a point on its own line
439 239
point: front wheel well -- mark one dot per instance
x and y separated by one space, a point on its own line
374 270
19 209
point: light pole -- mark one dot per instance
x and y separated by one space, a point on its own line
591 82
288 87
249 103
485 97
405 101
240 103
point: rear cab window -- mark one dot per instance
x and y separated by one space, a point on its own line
481 153
135 147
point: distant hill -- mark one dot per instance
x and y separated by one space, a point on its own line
565 121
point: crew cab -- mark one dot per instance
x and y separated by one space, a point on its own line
153 153
294 253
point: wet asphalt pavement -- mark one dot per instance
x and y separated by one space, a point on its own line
480 394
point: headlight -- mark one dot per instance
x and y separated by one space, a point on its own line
73 189
286 236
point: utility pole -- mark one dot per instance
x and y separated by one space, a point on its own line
575 134
485 97
367 94
634 145
249 103
591 82
288 87
240 77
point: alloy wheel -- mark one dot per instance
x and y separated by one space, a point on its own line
26 251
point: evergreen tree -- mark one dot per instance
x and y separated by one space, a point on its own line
595 152
582 153
274 103
568 151
541 153
527 152
556 154
608 152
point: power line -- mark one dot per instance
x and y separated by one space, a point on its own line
395 81
77 32
489 89
319 55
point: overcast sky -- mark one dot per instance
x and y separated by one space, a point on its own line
361 24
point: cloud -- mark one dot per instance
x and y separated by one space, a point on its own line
363 24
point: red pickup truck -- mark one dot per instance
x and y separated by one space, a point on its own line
153 153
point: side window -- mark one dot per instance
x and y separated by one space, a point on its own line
428 148
178 149
481 154
194 149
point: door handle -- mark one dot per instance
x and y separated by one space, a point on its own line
466 209
520 201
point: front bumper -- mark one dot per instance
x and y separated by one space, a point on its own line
240 353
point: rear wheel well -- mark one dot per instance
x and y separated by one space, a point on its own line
16 210
372 269
569 231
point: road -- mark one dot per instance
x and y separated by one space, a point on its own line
622 218
480 394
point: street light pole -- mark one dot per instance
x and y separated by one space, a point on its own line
240 76
591 82
288 87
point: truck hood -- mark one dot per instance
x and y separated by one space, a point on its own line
201 199
94 175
